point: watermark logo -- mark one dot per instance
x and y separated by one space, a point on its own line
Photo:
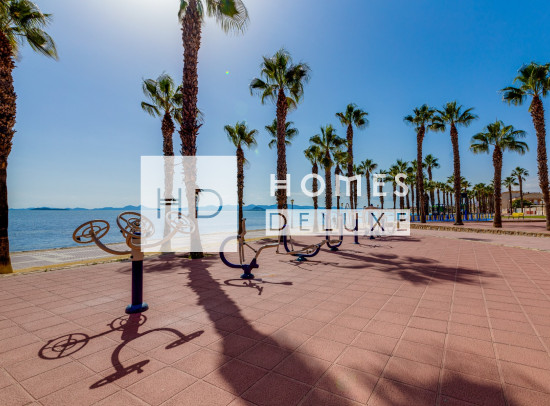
190 203
336 223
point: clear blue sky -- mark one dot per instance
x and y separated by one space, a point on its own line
81 132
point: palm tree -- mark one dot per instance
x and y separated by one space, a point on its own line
313 155
431 162
520 174
422 121
352 116
453 115
393 171
340 159
369 166
430 186
411 181
282 82
508 182
479 191
290 133
358 170
241 136
414 192
380 188
534 82
328 142
21 21
402 167
502 138
164 101
232 16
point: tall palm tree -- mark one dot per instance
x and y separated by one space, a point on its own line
340 159
350 117
479 191
164 100
380 188
290 133
534 82
411 181
414 191
21 21
430 186
241 136
520 174
508 182
314 156
502 138
454 115
282 82
393 171
328 142
369 166
232 16
402 167
422 120
431 162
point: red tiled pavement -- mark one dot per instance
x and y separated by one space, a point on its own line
426 320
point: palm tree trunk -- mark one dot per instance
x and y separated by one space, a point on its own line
497 162
314 185
328 190
419 174
537 114
315 189
282 109
412 196
7 123
520 180
432 194
168 152
240 184
167 135
510 194
456 164
191 36
353 186
394 197
368 189
337 172
408 202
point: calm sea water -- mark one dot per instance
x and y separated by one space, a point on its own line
46 229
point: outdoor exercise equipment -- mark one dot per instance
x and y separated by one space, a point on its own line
134 228
285 240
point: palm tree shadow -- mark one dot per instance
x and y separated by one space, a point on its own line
199 276
414 269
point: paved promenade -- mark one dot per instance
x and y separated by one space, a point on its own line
425 320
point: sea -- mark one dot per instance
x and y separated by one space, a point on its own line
31 230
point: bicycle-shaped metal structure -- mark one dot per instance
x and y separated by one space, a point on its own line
135 229
248 255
